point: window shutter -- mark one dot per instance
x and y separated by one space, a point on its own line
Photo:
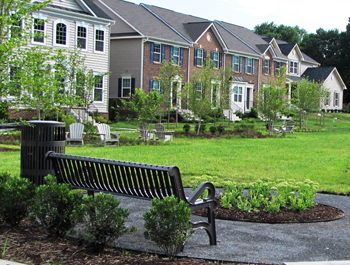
132 86
240 64
195 56
151 85
119 87
253 66
161 89
204 57
233 63
171 52
163 52
152 53
220 59
270 67
181 56
211 55
334 100
246 65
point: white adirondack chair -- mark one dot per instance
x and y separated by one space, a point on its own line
145 132
162 134
289 127
104 131
75 135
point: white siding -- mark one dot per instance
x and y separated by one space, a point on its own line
334 85
72 4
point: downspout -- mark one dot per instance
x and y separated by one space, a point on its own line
142 53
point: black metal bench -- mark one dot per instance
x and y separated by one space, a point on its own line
133 179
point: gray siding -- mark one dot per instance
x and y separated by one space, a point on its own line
125 62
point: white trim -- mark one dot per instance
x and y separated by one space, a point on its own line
54 36
86 26
44 18
103 89
122 87
104 29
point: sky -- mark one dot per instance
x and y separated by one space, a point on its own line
307 14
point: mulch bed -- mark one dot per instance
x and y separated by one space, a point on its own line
317 213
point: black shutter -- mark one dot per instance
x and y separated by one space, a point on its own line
119 87
195 57
132 86
204 57
152 51
220 59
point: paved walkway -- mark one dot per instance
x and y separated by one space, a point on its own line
256 242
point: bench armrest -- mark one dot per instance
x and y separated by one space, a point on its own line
199 191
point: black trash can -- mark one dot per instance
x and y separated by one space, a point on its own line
37 138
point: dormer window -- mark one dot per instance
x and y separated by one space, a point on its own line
293 68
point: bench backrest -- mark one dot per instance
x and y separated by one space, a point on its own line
160 131
76 130
118 177
105 130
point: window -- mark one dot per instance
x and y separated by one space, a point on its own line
175 57
293 69
199 57
266 68
61 34
82 37
249 66
99 40
14 88
39 30
98 89
237 94
199 90
156 85
235 63
277 67
215 58
327 99
157 52
336 99
16 27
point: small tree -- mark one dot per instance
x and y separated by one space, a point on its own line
271 99
225 82
198 90
308 96
145 105
167 73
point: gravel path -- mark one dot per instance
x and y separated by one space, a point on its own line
256 242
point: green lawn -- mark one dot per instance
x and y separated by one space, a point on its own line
320 156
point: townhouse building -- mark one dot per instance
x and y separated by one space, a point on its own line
144 36
72 24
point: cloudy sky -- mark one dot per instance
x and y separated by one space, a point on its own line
307 14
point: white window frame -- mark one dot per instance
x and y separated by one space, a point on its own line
216 60
266 66
126 87
278 67
336 99
104 29
99 88
249 65
156 85
327 98
235 64
293 67
60 21
199 90
43 18
238 94
157 52
176 55
199 57
83 25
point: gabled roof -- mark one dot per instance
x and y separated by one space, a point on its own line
286 48
94 8
196 29
318 74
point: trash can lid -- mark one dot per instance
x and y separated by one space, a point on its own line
47 123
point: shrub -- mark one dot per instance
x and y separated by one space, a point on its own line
168 224
53 206
89 127
213 130
239 114
4 111
100 118
68 119
114 112
254 113
104 221
186 128
221 129
201 129
16 194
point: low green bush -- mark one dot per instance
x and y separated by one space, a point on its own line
68 119
213 130
16 195
271 195
168 224
53 207
103 221
186 128
221 129
201 129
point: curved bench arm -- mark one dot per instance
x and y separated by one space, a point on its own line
199 191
